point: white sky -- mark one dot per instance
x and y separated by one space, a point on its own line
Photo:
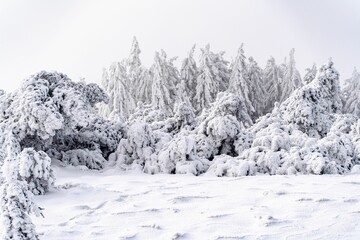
79 38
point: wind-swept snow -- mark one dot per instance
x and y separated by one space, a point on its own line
113 205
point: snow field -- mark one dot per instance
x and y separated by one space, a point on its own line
111 205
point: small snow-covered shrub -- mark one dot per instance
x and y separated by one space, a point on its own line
224 165
92 159
138 147
34 167
222 124
180 156
16 204
16 199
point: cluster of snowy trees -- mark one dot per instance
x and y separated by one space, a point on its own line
210 117
232 119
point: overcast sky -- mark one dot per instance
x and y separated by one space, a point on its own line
79 38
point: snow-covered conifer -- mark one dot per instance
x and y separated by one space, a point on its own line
180 156
310 74
143 88
240 82
272 83
34 167
257 90
166 77
222 125
16 200
313 106
121 102
291 78
188 75
351 99
212 77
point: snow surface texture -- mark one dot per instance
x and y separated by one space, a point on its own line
113 205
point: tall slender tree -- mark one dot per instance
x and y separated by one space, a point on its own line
117 86
257 90
240 81
165 79
351 98
188 75
213 77
272 79
291 78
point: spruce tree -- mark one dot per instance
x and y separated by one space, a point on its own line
351 99
291 78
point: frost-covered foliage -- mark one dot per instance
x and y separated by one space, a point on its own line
310 74
246 81
143 87
134 66
313 106
225 165
180 156
272 83
16 199
213 77
240 82
117 85
188 75
166 76
351 99
34 167
222 125
138 147
291 78
205 118
50 112
257 90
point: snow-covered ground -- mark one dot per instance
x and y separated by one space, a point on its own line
111 205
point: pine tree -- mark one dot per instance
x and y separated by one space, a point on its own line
312 107
310 74
188 75
16 200
257 91
213 77
143 89
134 71
166 77
272 79
121 103
240 83
291 78
351 99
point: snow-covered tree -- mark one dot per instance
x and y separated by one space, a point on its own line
188 75
34 167
350 96
138 76
257 90
213 77
16 200
180 156
51 112
310 74
221 126
272 83
117 86
313 106
143 88
134 63
166 76
240 82
291 78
